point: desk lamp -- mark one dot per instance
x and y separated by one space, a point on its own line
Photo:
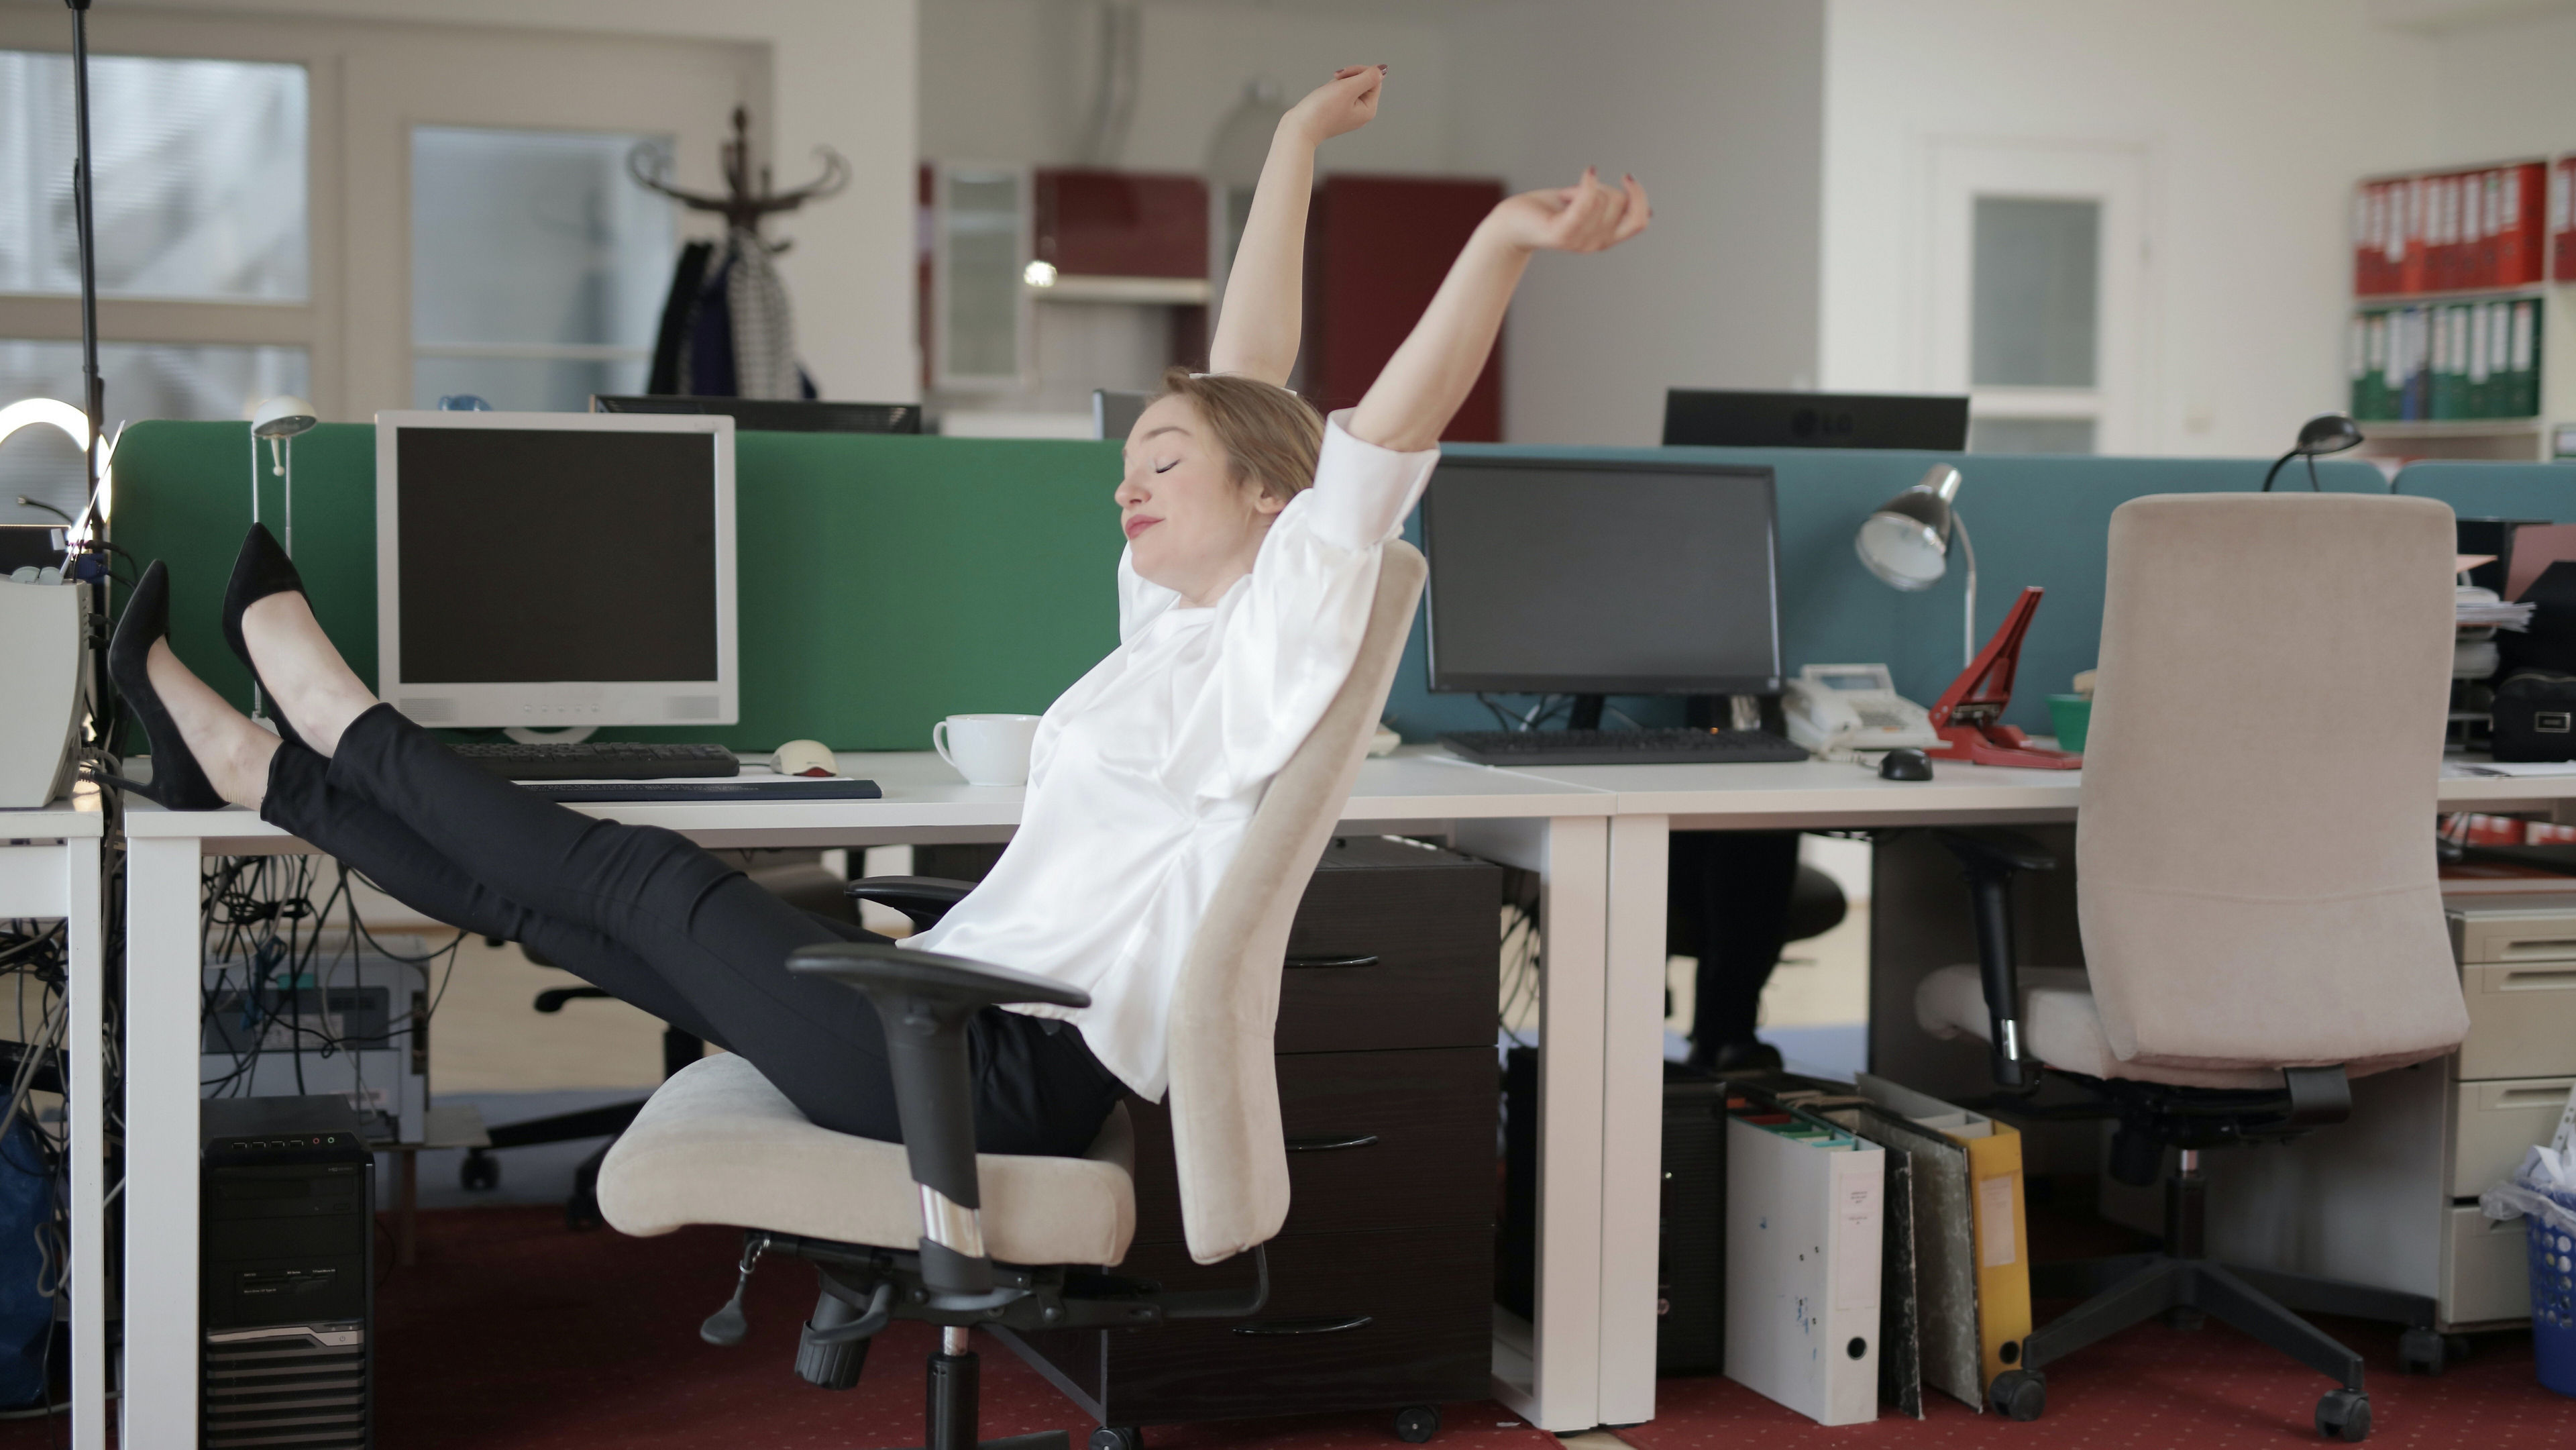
278 420
1906 542
2324 433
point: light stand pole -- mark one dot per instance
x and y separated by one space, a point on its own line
85 224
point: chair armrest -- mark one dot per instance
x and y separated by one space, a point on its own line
552 999
1991 859
925 1001
924 899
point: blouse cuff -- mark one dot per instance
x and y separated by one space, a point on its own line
1362 491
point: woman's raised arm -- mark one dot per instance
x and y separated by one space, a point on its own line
1256 330
1422 385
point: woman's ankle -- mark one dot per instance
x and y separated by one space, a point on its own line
233 752
315 689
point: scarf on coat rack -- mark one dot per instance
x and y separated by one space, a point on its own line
726 330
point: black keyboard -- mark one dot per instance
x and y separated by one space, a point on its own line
601 760
1620 747
610 792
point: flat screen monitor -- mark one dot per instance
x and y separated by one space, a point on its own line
1601 577
773 415
1714 418
556 569
1114 413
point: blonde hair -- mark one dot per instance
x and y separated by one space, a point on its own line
1271 437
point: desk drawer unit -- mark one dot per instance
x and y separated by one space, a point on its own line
2495 1123
1382 1277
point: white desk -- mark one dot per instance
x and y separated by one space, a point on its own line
1559 831
49 868
1596 836
1651 802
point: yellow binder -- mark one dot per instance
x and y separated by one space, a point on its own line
2001 1230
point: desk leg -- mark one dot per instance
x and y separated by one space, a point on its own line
84 1053
163 982
1557 1387
1632 1117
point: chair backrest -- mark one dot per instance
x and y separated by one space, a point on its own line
2256 855
1224 1095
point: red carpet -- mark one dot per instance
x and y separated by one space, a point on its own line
2154 1387
513 1334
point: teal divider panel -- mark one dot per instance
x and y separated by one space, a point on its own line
2496 490
2033 519
884 581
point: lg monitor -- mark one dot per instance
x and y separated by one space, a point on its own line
774 415
1708 418
1600 577
556 569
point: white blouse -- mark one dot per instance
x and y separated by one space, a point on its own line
1145 773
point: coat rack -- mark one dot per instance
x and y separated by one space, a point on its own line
741 206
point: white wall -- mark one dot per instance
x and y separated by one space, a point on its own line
1714 103
1716 106
1010 80
2256 121
841 74
2503 87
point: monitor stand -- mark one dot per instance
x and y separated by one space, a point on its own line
1587 713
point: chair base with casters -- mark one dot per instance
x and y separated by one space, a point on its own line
2043 1020
718 1143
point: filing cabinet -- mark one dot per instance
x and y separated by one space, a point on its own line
2389 1196
1382 1276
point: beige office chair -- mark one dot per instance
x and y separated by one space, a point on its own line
2260 914
928 1229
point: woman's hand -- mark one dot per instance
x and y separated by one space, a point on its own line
1337 107
1584 217
1420 388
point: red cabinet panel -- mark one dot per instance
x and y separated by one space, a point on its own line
1377 248
1121 223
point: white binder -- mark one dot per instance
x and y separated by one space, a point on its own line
1803 1224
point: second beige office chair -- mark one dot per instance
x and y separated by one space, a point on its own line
928 1229
2260 911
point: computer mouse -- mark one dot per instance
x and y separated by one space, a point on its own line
1905 765
804 757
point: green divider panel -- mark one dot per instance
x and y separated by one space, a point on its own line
884 581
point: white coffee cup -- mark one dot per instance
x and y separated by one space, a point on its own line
987 749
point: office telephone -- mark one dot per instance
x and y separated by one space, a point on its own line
1838 711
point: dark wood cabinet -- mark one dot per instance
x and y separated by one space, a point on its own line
1090 222
1377 248
1382 1277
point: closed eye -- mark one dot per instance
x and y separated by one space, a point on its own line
1167 467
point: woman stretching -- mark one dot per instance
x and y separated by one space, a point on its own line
1253 532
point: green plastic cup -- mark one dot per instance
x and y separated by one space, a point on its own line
2070 714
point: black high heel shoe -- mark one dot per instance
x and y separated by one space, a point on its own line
178 782
260 570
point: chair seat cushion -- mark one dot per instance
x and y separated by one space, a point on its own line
2059 1027
717 1144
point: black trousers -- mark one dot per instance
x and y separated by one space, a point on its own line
643 914
1730 900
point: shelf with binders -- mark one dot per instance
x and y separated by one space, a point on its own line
2466 364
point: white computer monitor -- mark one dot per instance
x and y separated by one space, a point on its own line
546 570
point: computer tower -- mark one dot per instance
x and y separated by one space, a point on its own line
349 1025
1690 1293
1690 1260
287 1289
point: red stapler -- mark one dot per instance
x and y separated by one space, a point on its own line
1969 713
